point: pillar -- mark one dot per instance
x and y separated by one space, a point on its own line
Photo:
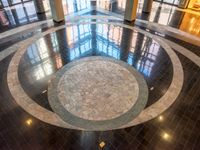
39 6
147 6
131 10
57 10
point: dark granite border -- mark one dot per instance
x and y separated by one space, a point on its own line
92 124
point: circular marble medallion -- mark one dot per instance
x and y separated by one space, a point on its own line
97 92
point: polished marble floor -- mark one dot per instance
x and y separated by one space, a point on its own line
92 54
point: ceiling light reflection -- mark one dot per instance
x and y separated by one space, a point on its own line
160 118
166 136
29 122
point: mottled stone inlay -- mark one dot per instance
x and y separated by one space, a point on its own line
97 68
98 90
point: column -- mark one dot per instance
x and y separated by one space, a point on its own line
131 10
147 6
39 6
57 10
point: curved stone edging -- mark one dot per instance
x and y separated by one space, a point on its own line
24 27
182 50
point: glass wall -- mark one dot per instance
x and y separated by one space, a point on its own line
172 2
6 3
194 4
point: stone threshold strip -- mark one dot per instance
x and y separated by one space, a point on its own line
47 116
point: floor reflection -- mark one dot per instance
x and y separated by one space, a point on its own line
50 53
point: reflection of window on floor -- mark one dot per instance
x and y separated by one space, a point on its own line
77 33
108 48
42 70
110 32
80 49
54 42
40 59
38 51
103 30
111 46
115 34
148 57
79 40
134 39
130 59
58 59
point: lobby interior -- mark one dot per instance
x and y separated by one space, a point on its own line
99 74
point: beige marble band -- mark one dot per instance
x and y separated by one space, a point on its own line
47 116
182 50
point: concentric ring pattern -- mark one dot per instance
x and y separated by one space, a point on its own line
58 109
